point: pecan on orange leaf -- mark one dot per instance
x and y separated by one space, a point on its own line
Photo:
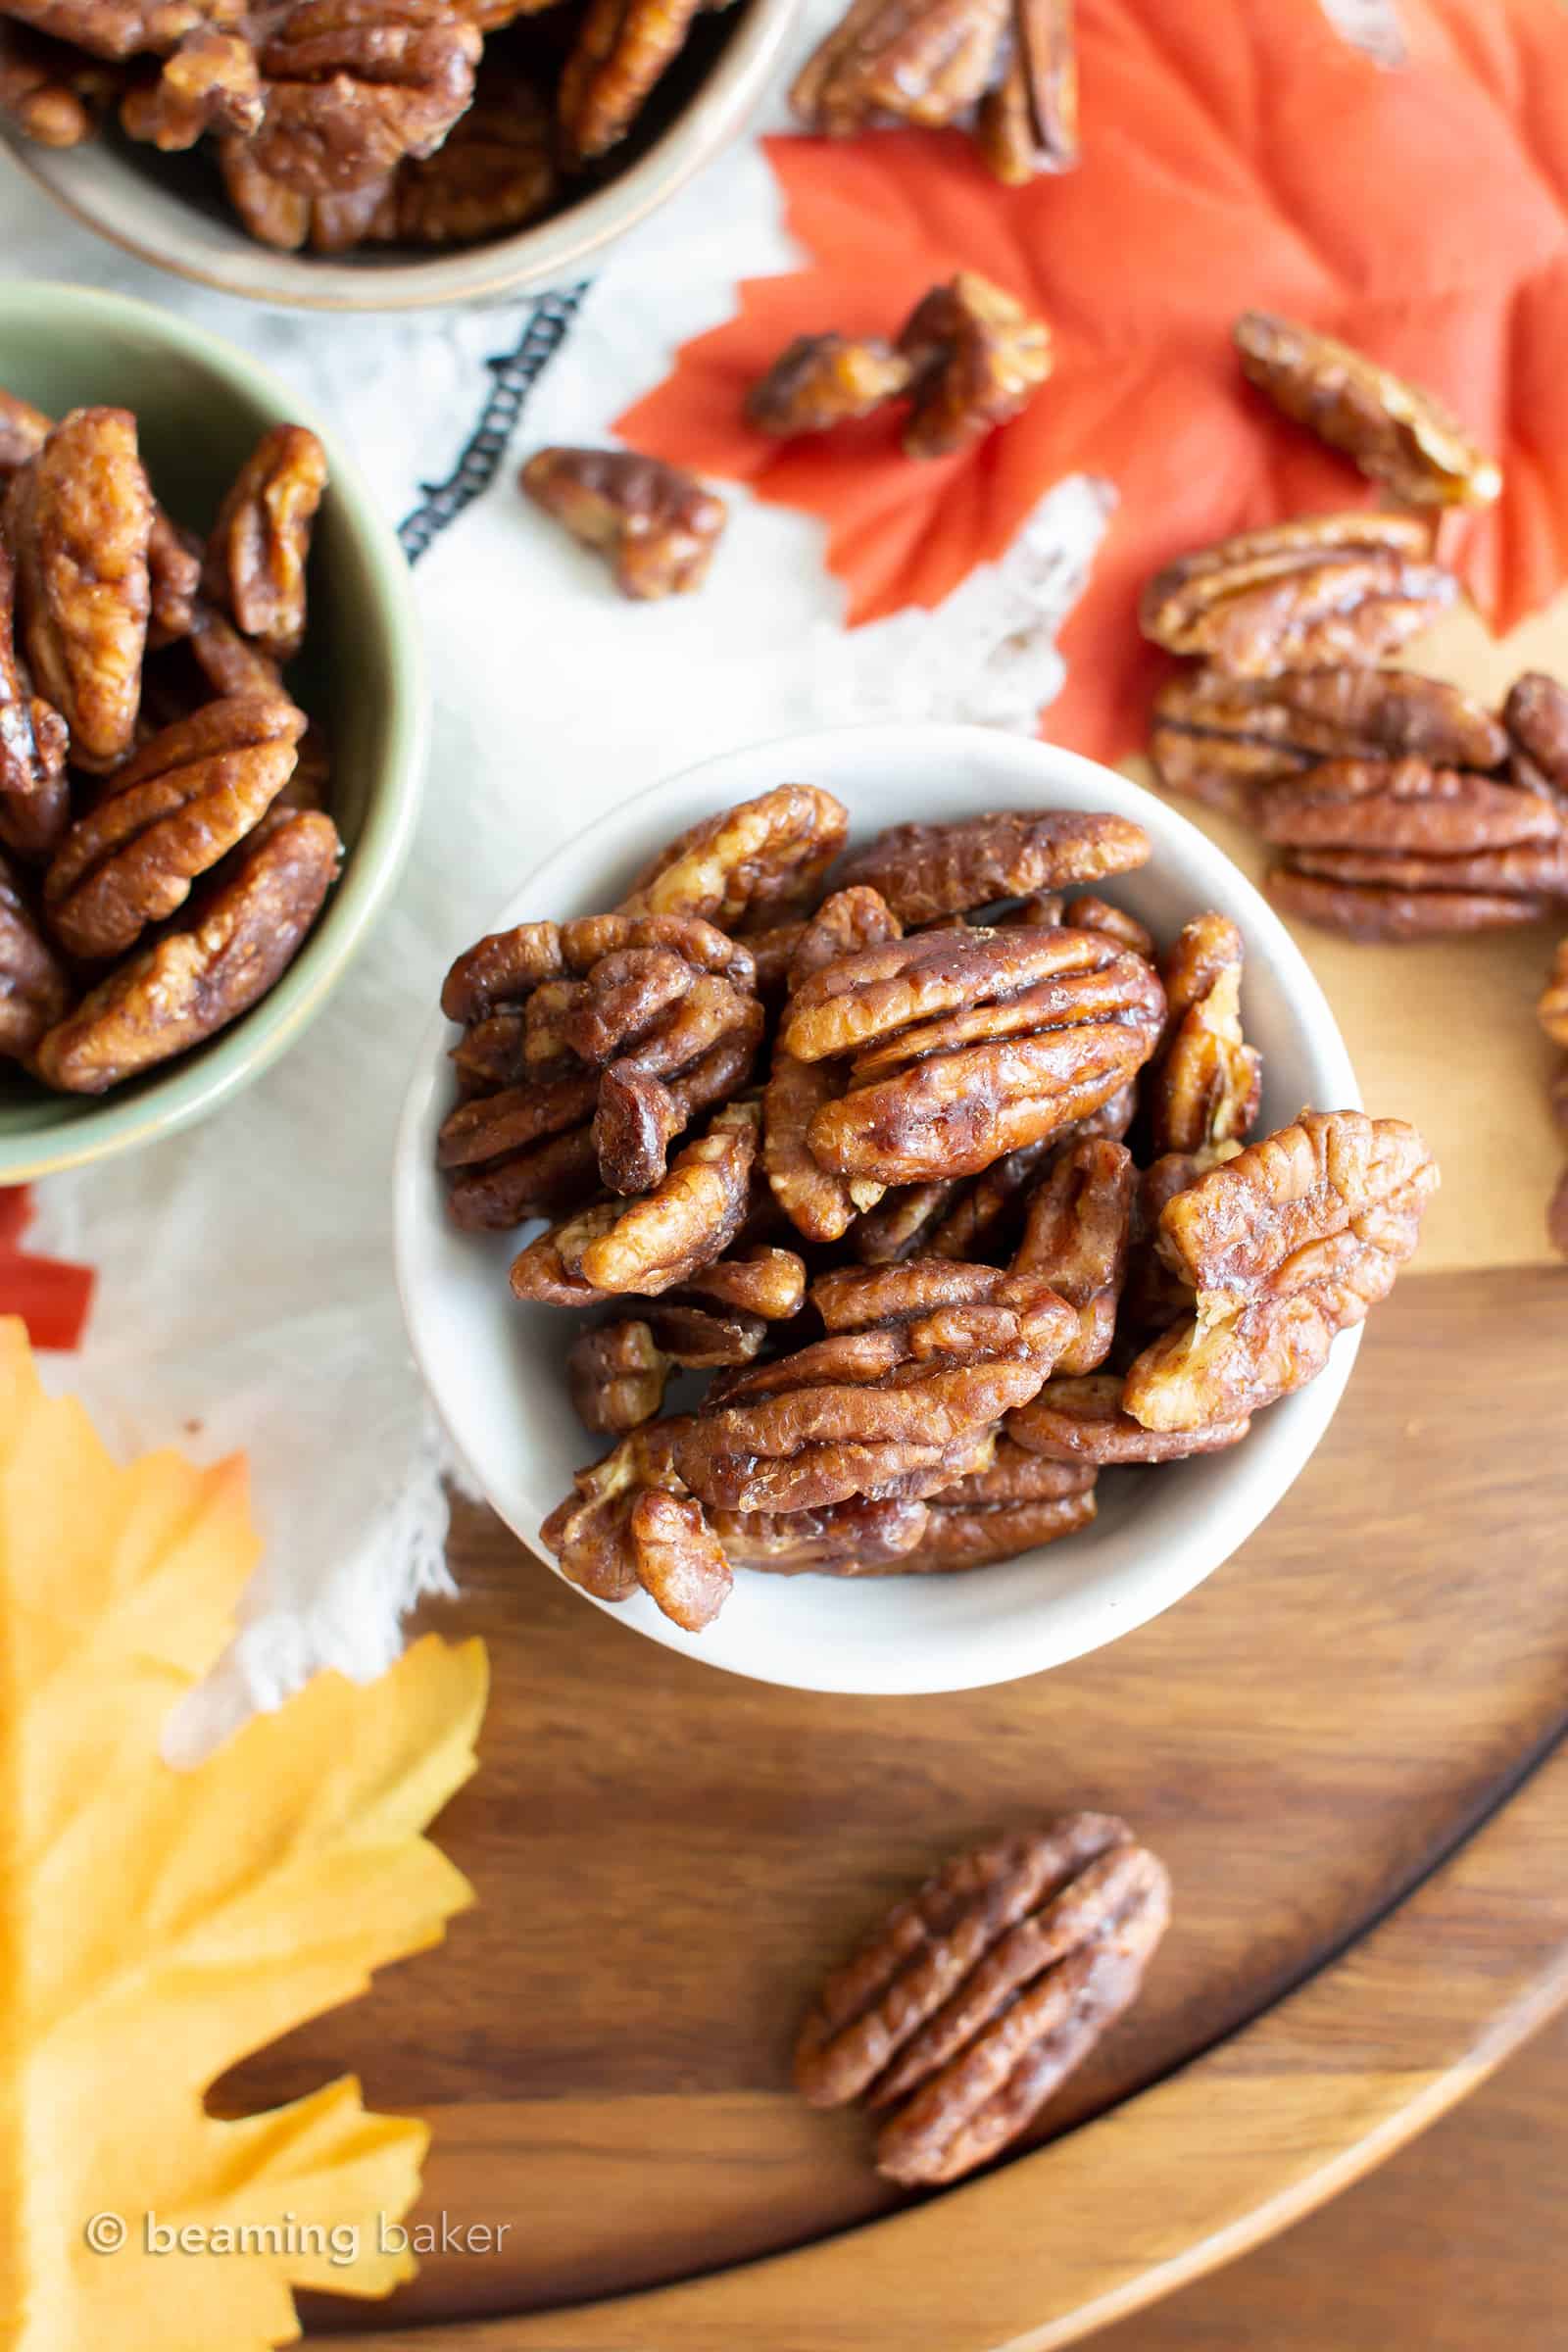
819 382
977 357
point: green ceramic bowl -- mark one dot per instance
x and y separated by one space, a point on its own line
201 405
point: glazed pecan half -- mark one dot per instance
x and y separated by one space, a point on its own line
617 1373
256 555
34 990
630 1523
1403 806
1076 1238
353 86
749 866
495 171
180 806
1312 594
198 979
818 1204
977 357
623 47
78 517
209 83
978 1995
287 219
1396 433
1016 1504
1081 1420
1204 1087
656 526
924 872
965 1046
926 62
34 790
116 28
821 380
1285 1245
1374 909
24 430
1028 122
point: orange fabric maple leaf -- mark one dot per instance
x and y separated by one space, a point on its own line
1235 156
50 1294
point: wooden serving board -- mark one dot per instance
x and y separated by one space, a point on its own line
1341 1744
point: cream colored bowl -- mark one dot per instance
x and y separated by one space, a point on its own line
167 210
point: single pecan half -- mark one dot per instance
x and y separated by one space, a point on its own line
34 990
1312 594
656 526
977 357
981 1992
818 1204
209 83
1285 1245
1403 805
34 789
926 871
116 28
353 86
53 94
1081 1420
199 978
287 219
1373 913
657 1243
848 1538
1028 121
615 1377
818 381
925 61
176 808
1016 1504
256 555
1396 433
1076 1238
748 866
78 517
623 48
1205 1084
968 1045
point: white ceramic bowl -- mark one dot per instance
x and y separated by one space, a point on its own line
494 1369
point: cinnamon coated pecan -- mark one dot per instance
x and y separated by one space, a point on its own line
209 83
78 517
180 806
1396 433
926 871
34 790
748 866
978 1995
656 526
821 380
623 47
1081 1420
1285 1245
34 991
968 1045
1204 1087
1312 594
353 86
198 979
1076 1238
257 553
977 359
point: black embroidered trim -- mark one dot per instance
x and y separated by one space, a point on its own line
515 374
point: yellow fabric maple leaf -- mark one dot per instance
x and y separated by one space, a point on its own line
155 1926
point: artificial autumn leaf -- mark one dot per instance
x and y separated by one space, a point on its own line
155 1924
1236 155
50 1294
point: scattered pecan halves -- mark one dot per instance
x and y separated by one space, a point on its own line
655 525
78 517
1076 1238
34 990
1204 1087
979 1993
198 979
255 555
1289 1244
1312 594
818 1204
623 48
926 871
749 866
180 804
34 789
978 357
1396 433
353 86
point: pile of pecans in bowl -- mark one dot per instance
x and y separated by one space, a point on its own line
932 1158
148 744
336 124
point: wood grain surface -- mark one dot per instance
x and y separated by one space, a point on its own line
666 1859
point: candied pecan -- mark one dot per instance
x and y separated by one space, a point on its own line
78 517
24 430
538 1182
1312 594
284 218
755 1279
978 358
926 62
1054 1024
34 789
590 1532
490 1127
1016 1504
1533 868
1535 716
1086 913
186 799
818 381
210 82
981 1992
1028 124
635 1117
773 949
1396 433
1285 1245
173 572
34 991
494 172
116 28
680 1561
926 871
749 866
1551 1006
621 49
851 1539
1403 805
1205 1086
689 1219
821 1206
1081 1420
55 96
199 978
1076 1238
257 553
1366 912
353 86
615 1377
656 526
